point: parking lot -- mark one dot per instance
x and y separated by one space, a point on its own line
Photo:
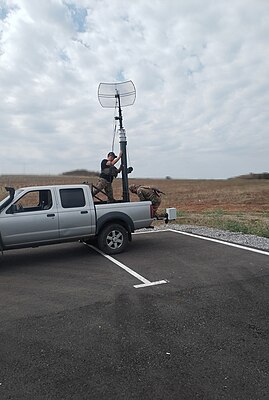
174 317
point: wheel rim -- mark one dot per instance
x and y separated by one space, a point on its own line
114 239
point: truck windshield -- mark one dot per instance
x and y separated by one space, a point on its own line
6 200
3 201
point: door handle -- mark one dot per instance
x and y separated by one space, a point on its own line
50 215
83 212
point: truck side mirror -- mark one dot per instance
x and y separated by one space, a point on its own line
12 209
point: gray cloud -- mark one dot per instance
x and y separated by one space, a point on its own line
200 70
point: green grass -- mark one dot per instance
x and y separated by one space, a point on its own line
254 228
254 224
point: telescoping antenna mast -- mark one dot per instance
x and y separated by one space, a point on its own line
118 95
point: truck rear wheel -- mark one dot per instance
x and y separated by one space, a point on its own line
113 239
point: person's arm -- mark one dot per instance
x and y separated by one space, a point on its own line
120 169
141 194
116 159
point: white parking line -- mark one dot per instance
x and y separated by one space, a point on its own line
145 281
239 246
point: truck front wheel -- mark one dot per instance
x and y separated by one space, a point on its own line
113 239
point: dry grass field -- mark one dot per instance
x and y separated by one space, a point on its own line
233 204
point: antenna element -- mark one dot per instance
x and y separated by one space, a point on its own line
118 95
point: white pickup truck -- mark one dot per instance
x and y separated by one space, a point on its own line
42 215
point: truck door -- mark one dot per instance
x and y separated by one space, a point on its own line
31 219
76 217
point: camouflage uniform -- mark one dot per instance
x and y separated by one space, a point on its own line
147 193
104 185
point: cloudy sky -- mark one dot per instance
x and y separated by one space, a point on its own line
200 69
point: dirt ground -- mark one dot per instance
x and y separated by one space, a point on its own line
228 195
232 195
239 205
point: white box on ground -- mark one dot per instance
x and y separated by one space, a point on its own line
172 213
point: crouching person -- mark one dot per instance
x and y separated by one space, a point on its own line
148 193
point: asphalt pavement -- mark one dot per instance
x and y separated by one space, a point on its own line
174 317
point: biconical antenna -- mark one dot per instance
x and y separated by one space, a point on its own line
118 95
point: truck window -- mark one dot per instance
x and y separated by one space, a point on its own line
35 200
71 198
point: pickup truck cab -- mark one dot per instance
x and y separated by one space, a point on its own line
42 215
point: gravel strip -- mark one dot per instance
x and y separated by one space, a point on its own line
256 242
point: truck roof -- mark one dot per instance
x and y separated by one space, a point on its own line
64 186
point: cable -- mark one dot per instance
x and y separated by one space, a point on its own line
129 158
114 134
115 126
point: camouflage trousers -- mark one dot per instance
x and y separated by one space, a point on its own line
105 186
155 205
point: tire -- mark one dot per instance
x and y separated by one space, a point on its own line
113 239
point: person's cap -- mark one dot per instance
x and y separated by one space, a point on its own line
112 154
132 188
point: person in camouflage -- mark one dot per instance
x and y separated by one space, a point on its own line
108 173
149 193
